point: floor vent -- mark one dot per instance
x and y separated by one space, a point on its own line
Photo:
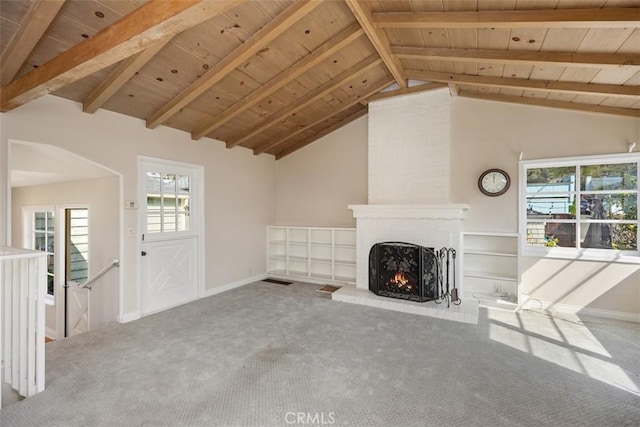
279 282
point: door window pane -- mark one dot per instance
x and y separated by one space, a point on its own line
183 196
169 212
77 245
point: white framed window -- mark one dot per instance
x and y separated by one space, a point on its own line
581 207
39 235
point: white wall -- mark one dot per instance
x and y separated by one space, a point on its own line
240 187
315 184
409 149
487 135
101 197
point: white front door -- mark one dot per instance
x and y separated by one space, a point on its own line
170 234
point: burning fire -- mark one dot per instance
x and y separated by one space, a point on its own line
399 279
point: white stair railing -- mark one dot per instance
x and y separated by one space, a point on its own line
88 283
23 286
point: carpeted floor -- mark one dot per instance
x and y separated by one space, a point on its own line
272 355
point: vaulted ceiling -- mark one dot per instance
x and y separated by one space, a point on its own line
276 75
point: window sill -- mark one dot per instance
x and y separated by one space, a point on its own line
583 255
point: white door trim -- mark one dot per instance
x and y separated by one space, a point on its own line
198 173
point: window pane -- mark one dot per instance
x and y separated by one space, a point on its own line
50 285
557 206
551 234
153 183
183 203
40 221
624 237
50 222
78 245
551 179
40 242
609 206
620 176
153 214
50 264
169 212
610 236
183 184
50 243
168 184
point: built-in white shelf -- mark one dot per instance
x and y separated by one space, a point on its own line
312 253
490 268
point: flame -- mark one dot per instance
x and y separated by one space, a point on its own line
400 279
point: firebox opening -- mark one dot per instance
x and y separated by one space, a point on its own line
403 270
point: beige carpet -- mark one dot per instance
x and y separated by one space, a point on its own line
266 355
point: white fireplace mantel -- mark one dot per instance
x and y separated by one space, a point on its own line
426 211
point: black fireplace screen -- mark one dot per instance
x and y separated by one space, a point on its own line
404 270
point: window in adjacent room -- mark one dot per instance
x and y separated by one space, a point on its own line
43 234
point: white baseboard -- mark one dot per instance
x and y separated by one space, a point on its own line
536 304
233 285
135 315
130 317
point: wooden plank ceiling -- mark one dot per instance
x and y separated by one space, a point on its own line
276 75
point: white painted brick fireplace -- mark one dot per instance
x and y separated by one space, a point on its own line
429 225
409 176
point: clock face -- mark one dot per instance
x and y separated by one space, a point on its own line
494 182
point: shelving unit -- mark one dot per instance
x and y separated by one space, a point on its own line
490 268
312 253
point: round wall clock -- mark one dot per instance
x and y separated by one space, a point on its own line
494 182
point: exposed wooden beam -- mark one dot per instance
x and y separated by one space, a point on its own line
378 39
266 35
414 89
337 125
33 26
593 108
537 85
119 76
329 48
151 22
339 109
563 59
628 17
308 99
